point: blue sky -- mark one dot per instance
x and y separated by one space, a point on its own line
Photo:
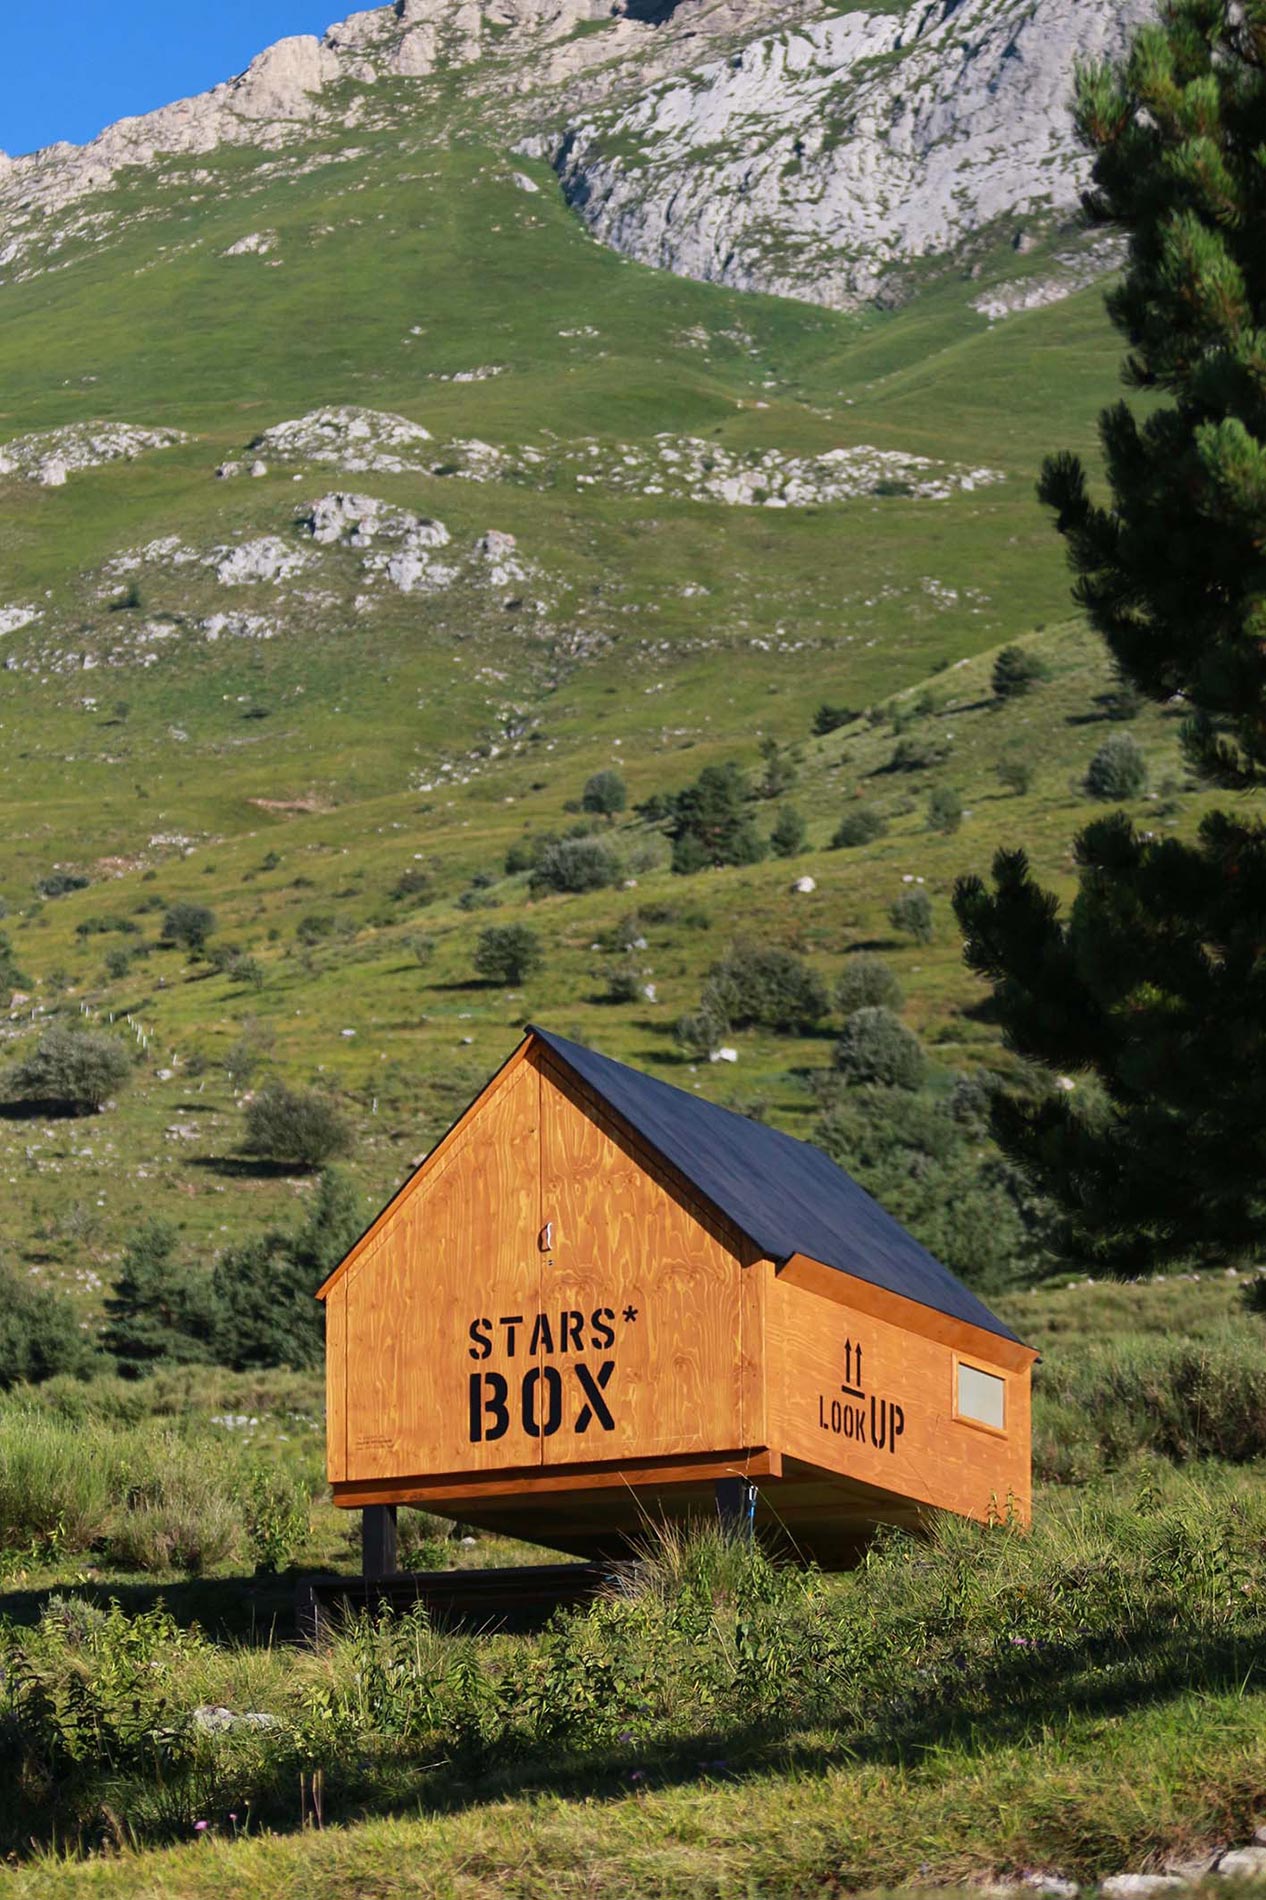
68 69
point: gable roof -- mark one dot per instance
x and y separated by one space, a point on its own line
784 1194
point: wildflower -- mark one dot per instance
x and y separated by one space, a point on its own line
199 1827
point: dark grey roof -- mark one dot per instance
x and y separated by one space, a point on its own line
785 1195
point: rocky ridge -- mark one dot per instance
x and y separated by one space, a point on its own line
810 149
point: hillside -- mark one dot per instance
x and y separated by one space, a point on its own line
358 506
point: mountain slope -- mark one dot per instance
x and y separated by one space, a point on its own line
355 506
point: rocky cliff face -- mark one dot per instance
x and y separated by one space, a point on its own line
818 150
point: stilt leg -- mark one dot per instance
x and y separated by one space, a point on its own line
378 1541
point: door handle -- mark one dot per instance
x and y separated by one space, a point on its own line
546 1242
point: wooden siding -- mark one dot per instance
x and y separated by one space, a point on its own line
857 1395
460 1249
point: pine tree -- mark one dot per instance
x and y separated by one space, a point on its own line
265 1287
159 1312
1150 995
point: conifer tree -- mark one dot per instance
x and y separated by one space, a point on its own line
1150 994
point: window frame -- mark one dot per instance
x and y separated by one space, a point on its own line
990 1372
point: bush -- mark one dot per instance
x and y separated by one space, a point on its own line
508 953
1122 703
413 882
700 1033
575 864
605 793
945 810
860 826
755 985
420 947
1014 775
918 755
117 963
1015 673
188 926
61 883
299 1127
788 836
1118 769
39 1332
278 1519
911 913
70 1071
830 718
876 1048
180 1512
867 982
622 983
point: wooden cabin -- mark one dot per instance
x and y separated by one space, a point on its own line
602 1301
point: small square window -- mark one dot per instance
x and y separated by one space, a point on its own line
982 1397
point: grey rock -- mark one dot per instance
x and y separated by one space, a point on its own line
1138 1886
219 1721
1244 1863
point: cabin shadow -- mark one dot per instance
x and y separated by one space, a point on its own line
256 1611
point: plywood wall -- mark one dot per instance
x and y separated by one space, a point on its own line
855 1394
546 1295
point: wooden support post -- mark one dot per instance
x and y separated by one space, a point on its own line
378 1541
736 1499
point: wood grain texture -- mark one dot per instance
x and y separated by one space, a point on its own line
336 1385
461 1249
625 1245
889 1422
862 1296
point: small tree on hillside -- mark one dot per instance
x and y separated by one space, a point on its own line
264 1287
70 1071
299 1128
867 982
159 1311
760 984
876 1047
508 953
606 794
40 1333
1118 769
1015 673
789 834
710 822
189 926
575 864
911 913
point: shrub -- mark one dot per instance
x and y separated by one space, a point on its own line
1122 702
918 755
299 1127
57 1483
1118 769
315 927
700 1033
860 826
420 947
39 1332
782 768
117 963
61 883
278 1519
1016 672
875 1047
575 864
1014 775
754 984
189 926
413 882
867 982
508 953
180 1512
605 793
622 983
70 1071
830 718
787 838
911 913
945 810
